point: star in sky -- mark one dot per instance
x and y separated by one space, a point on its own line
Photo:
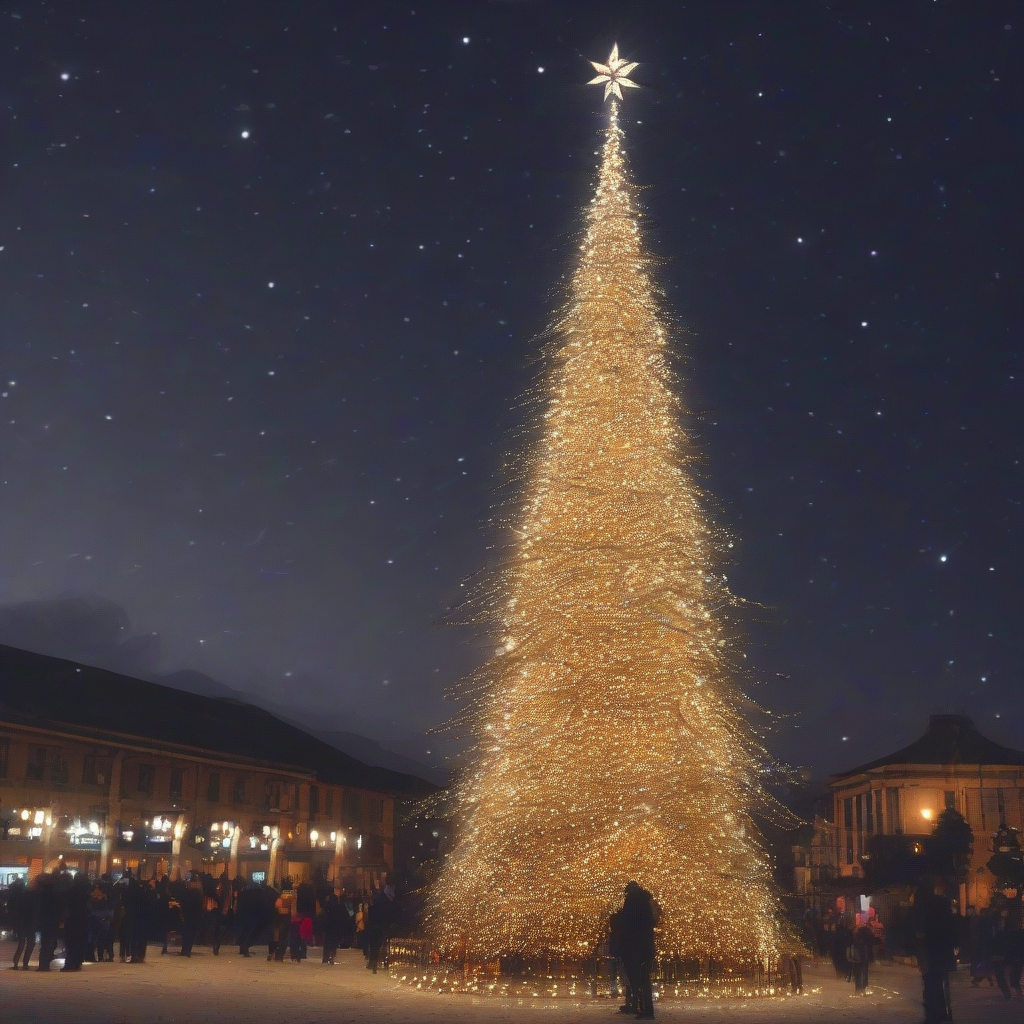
614 74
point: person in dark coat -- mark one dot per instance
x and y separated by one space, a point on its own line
144 906
615 949
248 914
1007 944
302 919
378 926
101 915
842 937
283 906
331 921
220 909
934 931
639 917
76 923
122 926
347 920
49 919
192 901
22 909
862 948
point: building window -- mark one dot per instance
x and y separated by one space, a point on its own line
869 813
176 783
878 812
314 802
238 791
59 771
351 807
95 770
848 813
213 788
146 775
950 798
892 811
5 756
328 802
380 810
36 767
849 847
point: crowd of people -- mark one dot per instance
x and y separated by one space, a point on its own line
991 942
852 941
94 920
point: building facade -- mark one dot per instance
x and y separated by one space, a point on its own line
171 782
902 794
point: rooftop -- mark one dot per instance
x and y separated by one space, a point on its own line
948 740
39 690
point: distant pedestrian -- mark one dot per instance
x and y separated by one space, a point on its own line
379 925
934 931
22 906
282 921
49 918
842 937
331 923
860 955
615 949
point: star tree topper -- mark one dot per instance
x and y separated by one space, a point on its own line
614 74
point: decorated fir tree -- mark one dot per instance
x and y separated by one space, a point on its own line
610 737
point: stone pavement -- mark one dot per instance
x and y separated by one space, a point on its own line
231 990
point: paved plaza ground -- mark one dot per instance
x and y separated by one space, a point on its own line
231 990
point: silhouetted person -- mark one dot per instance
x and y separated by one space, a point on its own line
934 932
639 916
378 925
22 908
192 900
347 931
248 915
333 911
101 914
302 919
861 946
142 901
76 924
283 907
615 949
220 909
49 919
1007 944
842 937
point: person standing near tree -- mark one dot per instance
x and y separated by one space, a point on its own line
639 917
615 949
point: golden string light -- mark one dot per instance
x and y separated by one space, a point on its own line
610 742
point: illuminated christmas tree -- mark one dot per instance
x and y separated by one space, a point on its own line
611 739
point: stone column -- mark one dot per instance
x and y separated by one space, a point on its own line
339 853
113 812
174 867
275 843
236 837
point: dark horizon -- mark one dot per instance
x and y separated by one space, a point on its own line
275 283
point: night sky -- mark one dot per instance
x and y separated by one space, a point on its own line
273 280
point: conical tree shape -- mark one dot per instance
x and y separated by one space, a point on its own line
611 743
